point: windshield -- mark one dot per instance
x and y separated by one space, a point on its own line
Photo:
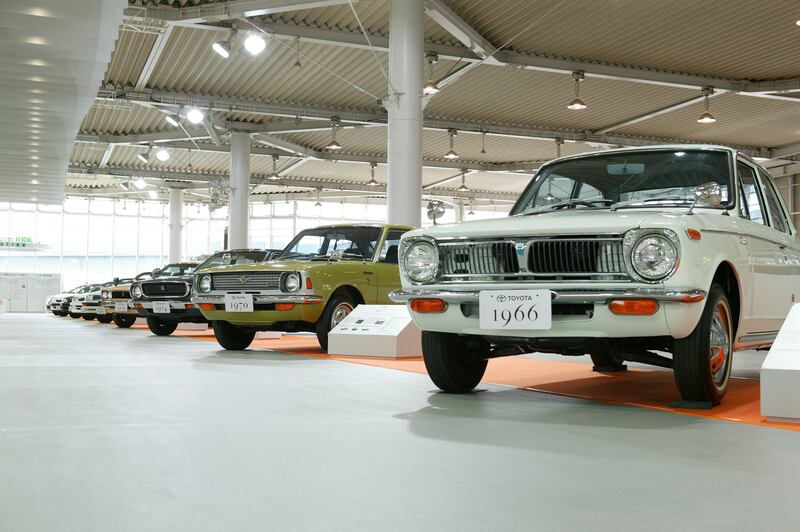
347 243
640 178
227 258
176 270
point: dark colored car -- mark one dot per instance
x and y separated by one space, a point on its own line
165 300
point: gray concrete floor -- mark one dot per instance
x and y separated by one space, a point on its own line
103 429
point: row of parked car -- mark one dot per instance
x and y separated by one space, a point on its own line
674 256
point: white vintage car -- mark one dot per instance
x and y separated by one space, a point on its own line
624 255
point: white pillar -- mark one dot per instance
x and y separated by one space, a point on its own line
175 224
238 206
459 210
406 65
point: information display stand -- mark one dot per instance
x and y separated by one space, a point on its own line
186 326
780 373
376 331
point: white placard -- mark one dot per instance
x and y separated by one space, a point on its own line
101 310
120 307
780 373
238 303
515 309
376 331
161 307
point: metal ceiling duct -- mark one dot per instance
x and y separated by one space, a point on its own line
53 58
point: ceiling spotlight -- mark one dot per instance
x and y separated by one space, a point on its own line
162 155
706 117
172 120
463 187
255 44
144 156
372 182
222 48
577 103
333 145
140 183
430 88
195 115
451 153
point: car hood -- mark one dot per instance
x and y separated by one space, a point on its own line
571 222
279 265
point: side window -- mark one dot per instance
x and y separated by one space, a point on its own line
556 190
751 205
588 192
776 214
390 247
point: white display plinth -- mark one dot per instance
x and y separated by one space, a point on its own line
376 331
141 321
192 326
269 335
780 373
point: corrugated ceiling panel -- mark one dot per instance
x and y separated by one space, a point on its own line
130 55
730 38
120 118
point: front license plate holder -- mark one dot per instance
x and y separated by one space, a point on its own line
161 307
238 303
120 307
516 309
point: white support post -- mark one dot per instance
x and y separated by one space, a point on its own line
238 205
406 65
459 210
175 225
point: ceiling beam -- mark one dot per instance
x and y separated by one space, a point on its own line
460 29
786 151
143 138
106 156
657 112
156 51
378 117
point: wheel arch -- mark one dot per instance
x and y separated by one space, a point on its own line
351 292
728 278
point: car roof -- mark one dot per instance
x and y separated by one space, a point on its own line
657 147
390 226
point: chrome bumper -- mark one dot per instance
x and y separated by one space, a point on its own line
563 296
295 300
172 304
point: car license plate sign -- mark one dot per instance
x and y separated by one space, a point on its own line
161 307
101 310
120 307
238 303
515 309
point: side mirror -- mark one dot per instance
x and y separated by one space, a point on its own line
708 195
156 271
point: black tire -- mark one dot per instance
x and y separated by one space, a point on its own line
55 312
123 321
604 362
451 361
105 318
232 337
88 317
335 311
161 327
702 376
74 316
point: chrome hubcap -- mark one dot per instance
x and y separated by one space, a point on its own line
340 313
720 345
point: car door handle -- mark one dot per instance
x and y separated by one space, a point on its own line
782 246
367 273
743 241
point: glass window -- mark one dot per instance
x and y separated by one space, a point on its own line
776 214
750 207
348 243
391 247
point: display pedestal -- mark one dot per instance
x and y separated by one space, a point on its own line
269 335
141 321
376 331
780 373
192 326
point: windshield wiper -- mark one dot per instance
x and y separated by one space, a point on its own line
631 203
568 203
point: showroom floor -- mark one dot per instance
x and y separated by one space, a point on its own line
107 429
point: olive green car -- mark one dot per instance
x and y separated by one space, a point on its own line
321 276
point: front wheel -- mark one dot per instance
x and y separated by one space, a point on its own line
123 321
232 337
88 317
104 318
454 363
161 327
337 309
703 360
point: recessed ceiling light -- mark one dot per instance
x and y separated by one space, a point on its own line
34 165
34 100
797 22
37 62
34 181
36 91
34 157
36 79
37 12
36 40
33 198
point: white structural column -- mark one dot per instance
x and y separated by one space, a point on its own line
175 224
404 106
238 205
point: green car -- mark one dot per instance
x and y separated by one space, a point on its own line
321 276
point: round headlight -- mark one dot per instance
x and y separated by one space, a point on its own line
105 295
204 283
136 291
421 262
654 257
291 282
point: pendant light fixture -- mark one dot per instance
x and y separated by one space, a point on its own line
430 88
333 145
706 117
463 187
223 47
297 63
318 203
471 207
255 44
162 155
451 153
577 104
274 175
145 156
483 142
172 120
194 115
372 182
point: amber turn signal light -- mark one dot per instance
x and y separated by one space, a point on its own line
206 306
309 283
694 234
428 306
284 306
633 307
